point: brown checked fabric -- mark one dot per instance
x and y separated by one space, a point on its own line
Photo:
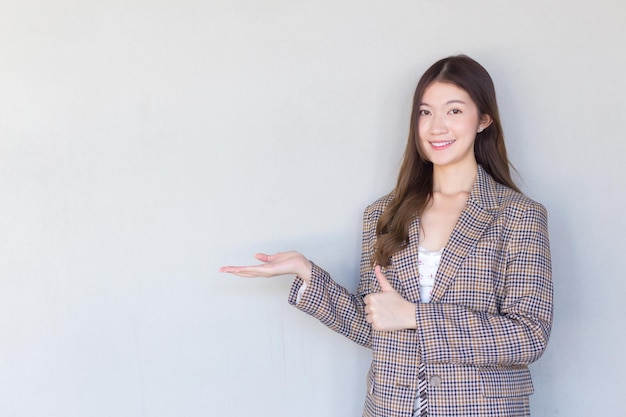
489 317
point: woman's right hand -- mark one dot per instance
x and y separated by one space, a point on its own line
282 263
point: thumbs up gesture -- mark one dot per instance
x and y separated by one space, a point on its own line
388 310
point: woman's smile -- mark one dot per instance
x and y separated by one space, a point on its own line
441 145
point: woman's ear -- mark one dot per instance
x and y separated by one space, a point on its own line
485 122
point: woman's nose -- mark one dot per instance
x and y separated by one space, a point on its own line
439 124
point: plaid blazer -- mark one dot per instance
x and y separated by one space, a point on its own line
490 313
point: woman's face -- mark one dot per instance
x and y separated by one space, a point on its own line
447 125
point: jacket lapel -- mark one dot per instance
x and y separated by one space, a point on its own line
474 219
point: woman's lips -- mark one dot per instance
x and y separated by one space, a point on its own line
441 145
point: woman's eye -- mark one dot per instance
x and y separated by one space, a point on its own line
424 112
455 111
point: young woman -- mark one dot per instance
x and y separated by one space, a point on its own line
455 291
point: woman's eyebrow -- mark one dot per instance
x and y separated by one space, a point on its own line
453 101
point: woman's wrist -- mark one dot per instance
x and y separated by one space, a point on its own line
305 272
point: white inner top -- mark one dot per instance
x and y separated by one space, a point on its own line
428 263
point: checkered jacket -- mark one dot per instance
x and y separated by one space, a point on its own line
489 317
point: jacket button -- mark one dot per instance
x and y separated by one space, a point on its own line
435 380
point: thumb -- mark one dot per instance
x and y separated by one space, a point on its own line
262 257
385 286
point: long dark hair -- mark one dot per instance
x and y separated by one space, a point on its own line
415 181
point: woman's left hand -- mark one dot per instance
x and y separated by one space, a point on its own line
388 310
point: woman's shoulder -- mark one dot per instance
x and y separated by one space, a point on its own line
509 196
375 210
495 195
380 204
517 204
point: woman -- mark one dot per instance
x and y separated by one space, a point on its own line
455 291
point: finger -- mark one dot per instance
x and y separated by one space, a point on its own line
251 274
385 286
244 271
367 299
262 257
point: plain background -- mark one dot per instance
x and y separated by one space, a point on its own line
143 144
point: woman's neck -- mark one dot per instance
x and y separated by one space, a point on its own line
454 179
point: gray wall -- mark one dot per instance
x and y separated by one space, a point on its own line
143 144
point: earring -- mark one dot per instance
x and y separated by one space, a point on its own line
480 129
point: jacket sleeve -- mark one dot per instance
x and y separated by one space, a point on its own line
518 334
334 305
